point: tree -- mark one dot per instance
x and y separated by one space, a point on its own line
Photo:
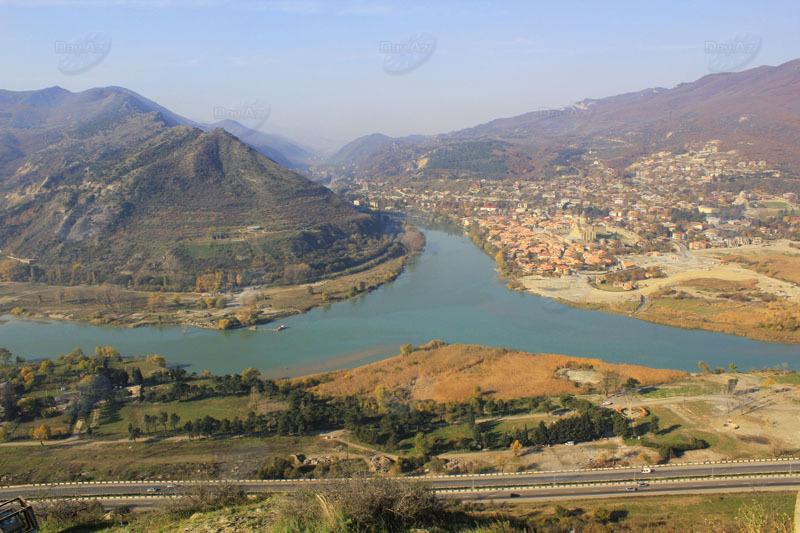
174 419
540 435
5 355
8 403
611 381
733 367
28 374
251 377
42 433
632 383
381 394
148 422
500 259
654 425
619 425
406 349
134 432
501 462
422 445
136 376
516 448
162 419
46 367
13 270
703 366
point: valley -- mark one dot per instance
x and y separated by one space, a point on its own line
323 289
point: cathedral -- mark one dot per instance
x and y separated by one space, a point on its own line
582 230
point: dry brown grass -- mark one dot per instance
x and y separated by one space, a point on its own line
727 316
720 284
785 267
444 373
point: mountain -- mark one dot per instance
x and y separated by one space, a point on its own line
104 185
358 150
756 112
278 148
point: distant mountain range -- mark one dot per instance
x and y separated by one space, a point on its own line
111 185
756 112
278 148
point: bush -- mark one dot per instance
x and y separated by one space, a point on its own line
602 515
66 514
361 505
204 498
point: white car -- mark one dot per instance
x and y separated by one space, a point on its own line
570 443
647 470
607 402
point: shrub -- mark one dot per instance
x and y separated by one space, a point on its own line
602 515
361 505
204 498
68 514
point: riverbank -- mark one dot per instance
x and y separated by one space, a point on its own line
750 291
450 292
116 306
471 403
739 291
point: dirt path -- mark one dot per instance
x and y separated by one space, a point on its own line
337 436
75 440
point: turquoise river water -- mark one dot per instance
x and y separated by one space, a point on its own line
450 292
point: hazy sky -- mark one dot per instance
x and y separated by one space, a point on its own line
320 67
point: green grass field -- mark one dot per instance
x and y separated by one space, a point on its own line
775 204
792 378
114 419
677 390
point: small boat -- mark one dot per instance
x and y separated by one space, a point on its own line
279 328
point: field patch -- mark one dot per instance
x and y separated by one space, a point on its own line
444 373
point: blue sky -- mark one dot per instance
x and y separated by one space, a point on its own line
319 64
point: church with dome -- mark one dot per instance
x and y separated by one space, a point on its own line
582 230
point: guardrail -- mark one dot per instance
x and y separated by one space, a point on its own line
539 487
614 483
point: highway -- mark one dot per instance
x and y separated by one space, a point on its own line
614 490
547 493
480 486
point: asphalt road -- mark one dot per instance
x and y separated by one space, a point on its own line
633 474
620 490
522 494
661 476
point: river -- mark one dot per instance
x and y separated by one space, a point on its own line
450 292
